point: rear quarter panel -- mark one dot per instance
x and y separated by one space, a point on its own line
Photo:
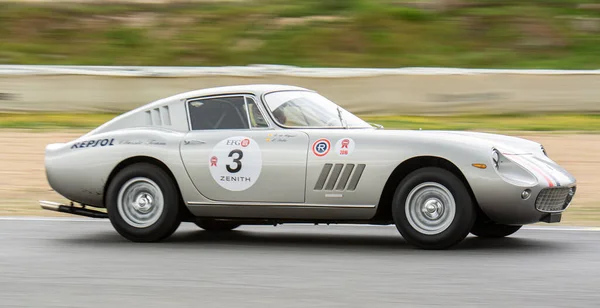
79 170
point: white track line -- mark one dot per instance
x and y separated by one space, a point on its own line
36 218
67 219
592 229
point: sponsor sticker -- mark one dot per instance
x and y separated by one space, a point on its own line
279 137
142 142
93 143
344 146
235 163
321 147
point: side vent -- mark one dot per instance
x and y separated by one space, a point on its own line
323 176
158 116
166 115
346 176
148 117
356 177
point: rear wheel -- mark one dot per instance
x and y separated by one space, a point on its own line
216 225
432 209
142 202
493 230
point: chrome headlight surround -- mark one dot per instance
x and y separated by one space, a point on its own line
511 171
496 158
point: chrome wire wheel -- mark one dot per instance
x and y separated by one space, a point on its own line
430 208
140 202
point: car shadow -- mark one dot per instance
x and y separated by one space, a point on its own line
355 241
315 241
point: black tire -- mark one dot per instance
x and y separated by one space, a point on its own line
166 222
458 227
216 225
493 230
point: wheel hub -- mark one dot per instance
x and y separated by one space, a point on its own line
140 202
143 203
433 208
430 208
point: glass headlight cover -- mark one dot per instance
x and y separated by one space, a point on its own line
511 171
496 158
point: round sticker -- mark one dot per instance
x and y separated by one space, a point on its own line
344 146
321 147
235 163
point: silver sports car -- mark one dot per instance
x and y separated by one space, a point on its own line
271 154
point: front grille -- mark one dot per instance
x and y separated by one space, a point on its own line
554 199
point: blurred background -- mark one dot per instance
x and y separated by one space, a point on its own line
525 68
555 34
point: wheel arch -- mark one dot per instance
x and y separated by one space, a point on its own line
384 207
151 160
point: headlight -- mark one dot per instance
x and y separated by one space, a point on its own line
496 158
511 171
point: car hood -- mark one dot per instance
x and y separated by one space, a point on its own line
507 144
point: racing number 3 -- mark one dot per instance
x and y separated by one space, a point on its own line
237 161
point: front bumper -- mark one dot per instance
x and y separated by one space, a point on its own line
524 189
505 204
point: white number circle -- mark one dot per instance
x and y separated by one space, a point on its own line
235 163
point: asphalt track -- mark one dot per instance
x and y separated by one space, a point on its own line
80 263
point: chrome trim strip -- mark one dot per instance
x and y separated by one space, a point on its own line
295 205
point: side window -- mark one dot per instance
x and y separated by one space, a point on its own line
218 113
256 117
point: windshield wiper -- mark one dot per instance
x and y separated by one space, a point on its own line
339 110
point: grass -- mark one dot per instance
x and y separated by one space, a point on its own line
52 120
503 122
358 33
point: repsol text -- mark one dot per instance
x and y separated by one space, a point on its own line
93 143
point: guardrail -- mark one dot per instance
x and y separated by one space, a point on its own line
416 90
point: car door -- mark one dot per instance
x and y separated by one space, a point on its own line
233 154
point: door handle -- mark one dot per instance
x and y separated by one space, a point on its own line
193 141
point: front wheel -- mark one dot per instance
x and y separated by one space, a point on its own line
493 230
142 202
433 209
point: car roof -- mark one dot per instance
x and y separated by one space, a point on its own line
256 89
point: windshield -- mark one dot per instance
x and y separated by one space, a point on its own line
309 109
